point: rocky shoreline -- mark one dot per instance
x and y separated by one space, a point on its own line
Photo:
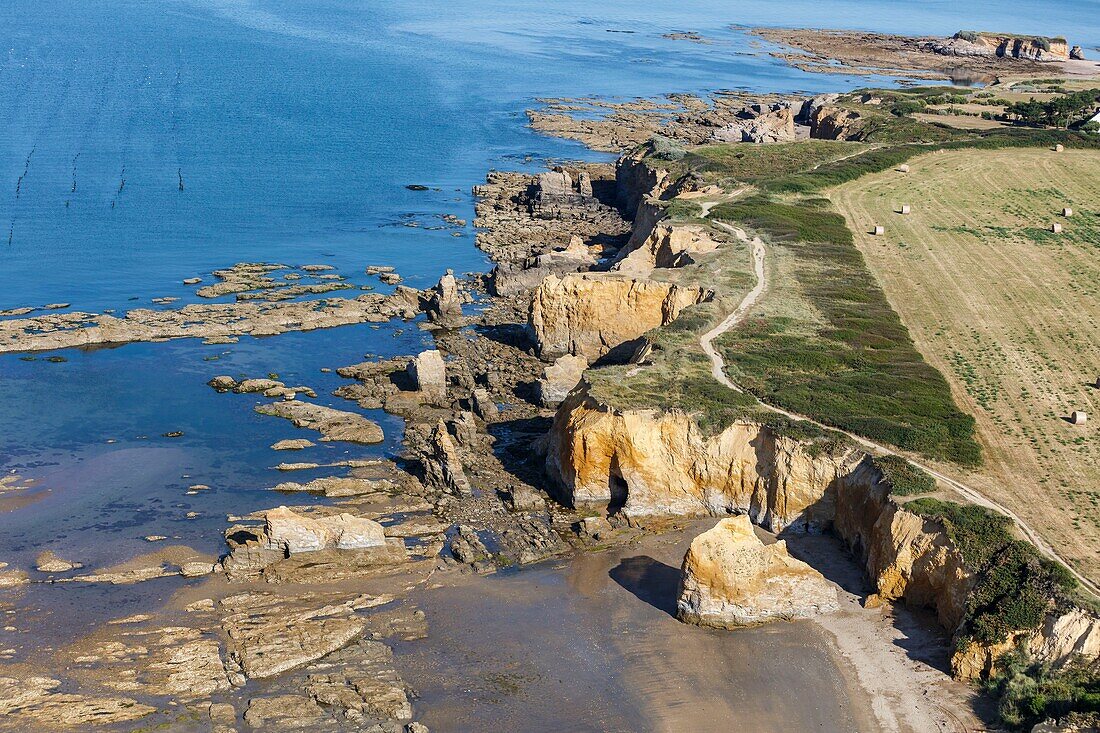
508 460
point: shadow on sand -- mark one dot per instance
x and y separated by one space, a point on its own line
649 580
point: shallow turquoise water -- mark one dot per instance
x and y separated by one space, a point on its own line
142 143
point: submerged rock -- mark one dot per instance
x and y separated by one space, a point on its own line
284 712
34 703
292 444
49 562
731 579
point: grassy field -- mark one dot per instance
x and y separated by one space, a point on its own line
824 341
1008 311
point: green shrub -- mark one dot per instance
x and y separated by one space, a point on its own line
905 479
664 148
1028 692
1016 587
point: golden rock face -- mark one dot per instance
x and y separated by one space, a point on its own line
731 579
589 314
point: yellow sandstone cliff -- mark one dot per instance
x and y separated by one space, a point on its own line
652 462
589 314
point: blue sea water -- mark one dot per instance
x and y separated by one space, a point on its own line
142 143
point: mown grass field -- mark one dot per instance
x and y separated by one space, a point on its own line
1008 311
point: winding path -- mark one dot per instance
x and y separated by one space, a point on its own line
718 369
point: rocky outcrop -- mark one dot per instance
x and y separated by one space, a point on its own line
37 703
444 302
759 123
637 177
1031 48
835 123
812 104
218 321
731 579
666 245
49 562
510 278
428 375
590 314
652 462
442 464
292 533
559 379
1064 636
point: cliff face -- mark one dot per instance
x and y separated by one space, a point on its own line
835 123
648 462
589 314
906 556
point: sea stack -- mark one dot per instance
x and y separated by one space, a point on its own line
731 579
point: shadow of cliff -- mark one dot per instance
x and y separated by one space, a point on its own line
649 580
920 634
513 448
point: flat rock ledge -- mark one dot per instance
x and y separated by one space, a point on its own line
730 579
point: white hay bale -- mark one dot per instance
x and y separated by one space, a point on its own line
879 230
1067 211
1059 148
1056 228
905 208
903 168
1077 417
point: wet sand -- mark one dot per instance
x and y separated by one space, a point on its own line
591 644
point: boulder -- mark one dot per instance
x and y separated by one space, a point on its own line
428 374
467 547
524 498
731 579
292 533
483 404
560 378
